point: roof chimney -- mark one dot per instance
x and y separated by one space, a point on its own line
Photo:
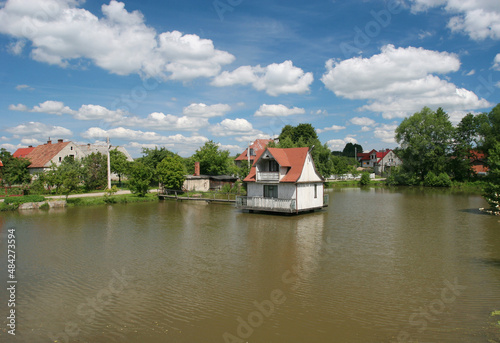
49 142
196 168
30 146
59 141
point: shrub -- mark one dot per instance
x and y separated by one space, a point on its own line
443 180
365 179
431 180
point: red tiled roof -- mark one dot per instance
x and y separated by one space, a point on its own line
258 146
291 157
42 154
364 155
22 152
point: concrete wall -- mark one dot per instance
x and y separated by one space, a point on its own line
197 185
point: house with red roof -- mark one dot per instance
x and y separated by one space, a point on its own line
42 156
23 152
478 162
283 180
380 161
253 150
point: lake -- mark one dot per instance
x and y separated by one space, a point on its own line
377 265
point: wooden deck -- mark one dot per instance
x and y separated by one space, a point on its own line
196 197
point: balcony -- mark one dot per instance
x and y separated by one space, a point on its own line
268 176
266 204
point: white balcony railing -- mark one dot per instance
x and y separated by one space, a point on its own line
266 204
268 176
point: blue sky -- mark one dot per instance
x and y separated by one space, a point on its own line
178 73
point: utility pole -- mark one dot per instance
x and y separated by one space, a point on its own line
109 163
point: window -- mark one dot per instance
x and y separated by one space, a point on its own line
273 166
252 152
270 191
60 158
71 148
315 190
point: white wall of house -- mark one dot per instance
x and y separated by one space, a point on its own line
70 149
285 190
308 172
306 198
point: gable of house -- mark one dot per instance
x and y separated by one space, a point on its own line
296 164
43 155
256 148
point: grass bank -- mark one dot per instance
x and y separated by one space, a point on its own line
113 199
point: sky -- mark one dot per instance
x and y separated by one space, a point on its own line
176 74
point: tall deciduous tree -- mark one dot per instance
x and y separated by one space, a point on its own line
119 163
492 189
351 150
15 170
171 172
139 178
213 161
464 141
425 139
95 171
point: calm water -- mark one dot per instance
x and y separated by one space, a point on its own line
376 266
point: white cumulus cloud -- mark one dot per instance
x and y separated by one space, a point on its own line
400 81
479 19
496 62
85 112
120 42
275 79
36 130
206 111
277 111
362 121
167 122
234 127
335 128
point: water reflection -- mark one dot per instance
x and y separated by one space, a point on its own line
355 272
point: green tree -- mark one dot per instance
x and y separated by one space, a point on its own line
351 150
95 171
15 170
212 160
489 128
171 172
139 178
425 140
306 132
71 173
119 164
153 157
492 189
365 179
464 140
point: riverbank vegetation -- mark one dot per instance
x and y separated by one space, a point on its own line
434 153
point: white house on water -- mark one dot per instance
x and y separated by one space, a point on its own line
283 180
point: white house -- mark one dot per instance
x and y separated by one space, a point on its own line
42 156
380 161
283 180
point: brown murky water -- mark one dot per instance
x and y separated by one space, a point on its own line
376 266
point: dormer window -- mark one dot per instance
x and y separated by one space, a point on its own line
252 152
